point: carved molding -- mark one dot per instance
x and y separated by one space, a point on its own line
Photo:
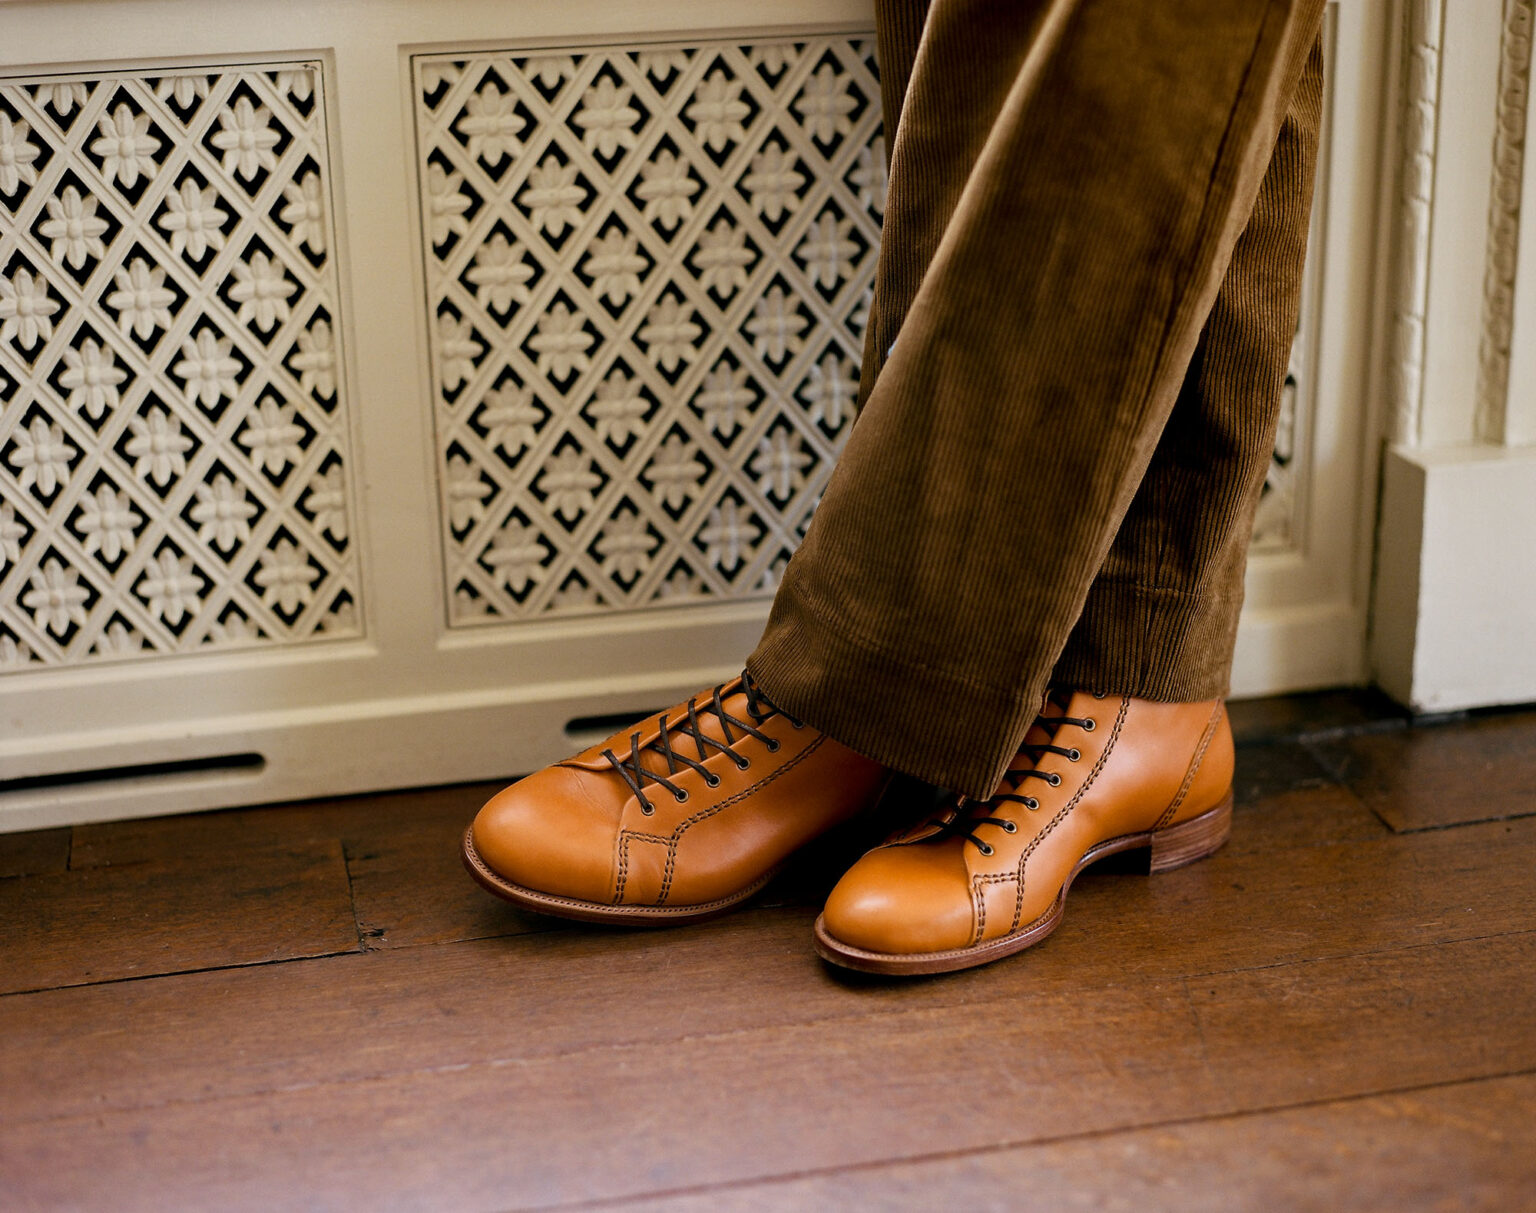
1416 182
1504 221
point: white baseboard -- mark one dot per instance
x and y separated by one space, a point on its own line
1300 648
278 756
1455 597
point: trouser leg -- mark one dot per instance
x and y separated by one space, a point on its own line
898 32
1161 617
1069 179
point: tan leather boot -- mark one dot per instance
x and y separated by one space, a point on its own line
682 816
1096 775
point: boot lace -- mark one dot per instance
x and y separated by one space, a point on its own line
968 816
637 775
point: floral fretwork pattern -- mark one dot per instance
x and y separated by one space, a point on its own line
173 440
648 272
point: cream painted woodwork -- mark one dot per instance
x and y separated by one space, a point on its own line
393 391
1454 605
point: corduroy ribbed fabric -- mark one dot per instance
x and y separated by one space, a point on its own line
1090 273
1173 580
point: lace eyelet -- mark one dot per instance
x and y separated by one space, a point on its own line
1074 754
680 796
1054 780
743 764
1031 804
646 810
1011 827
1089 725
712 781
985 848
773 745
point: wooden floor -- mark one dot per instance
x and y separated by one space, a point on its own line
311 1006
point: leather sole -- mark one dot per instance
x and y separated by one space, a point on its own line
1167 849
595 911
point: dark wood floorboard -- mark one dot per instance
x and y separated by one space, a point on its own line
34 852
387 879
612 1121
326 1013
358 822
503 999
396 845
1276 766
1465 1146
1482 768
1313 715
168 916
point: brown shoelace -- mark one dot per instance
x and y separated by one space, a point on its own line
636 774
969 815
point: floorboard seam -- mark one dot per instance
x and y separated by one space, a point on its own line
1019 1144
1307 960
493 1063
357 923
244 964
364 949
1441 827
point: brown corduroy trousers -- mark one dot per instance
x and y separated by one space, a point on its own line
1087 289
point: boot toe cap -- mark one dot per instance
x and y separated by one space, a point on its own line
903 899
547 833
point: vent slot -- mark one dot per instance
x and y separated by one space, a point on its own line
587 729
218 764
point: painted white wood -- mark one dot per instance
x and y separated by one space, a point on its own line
1306 606
1452 611
1397 590
1501 263
1520 402
1459 226
412 700
407 672
1456 595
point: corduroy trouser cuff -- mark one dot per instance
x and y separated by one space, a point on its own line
1094 234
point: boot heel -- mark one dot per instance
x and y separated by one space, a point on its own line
1193 839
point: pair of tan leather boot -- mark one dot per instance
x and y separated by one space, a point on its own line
692 811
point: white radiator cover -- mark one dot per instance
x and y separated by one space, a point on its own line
387 387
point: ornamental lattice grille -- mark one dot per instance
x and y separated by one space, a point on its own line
648 272
173 443
1274 523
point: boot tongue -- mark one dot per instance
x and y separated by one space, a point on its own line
710 724
1053 704
732 698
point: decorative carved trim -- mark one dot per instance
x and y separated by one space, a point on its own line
1416 181
1504 221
